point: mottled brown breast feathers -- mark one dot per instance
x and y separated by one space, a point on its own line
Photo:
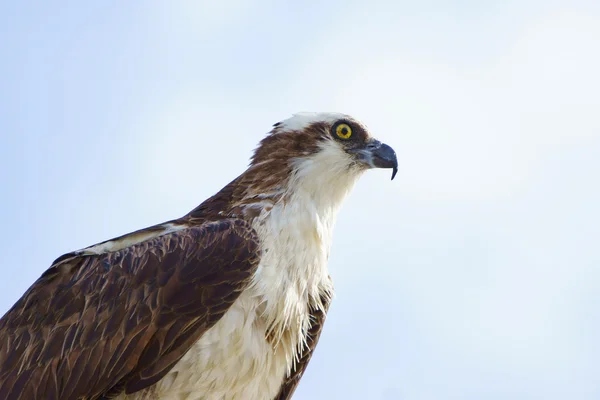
97 325
290 383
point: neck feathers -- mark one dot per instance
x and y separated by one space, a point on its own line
292 202
285 168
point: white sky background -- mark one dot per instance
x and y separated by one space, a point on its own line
474 275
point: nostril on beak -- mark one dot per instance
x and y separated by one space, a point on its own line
373 146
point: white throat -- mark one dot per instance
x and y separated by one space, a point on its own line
248 353
296 235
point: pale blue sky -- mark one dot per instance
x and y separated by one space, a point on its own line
474 275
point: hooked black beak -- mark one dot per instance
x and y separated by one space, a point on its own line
380 155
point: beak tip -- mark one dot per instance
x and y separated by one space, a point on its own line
381 155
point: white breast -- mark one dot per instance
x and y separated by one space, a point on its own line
230 361
234 360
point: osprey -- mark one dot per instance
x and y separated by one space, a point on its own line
226 302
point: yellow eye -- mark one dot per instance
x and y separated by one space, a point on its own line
343 131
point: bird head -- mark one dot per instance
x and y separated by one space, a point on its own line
326 146
317 156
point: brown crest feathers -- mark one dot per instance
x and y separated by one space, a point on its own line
266 178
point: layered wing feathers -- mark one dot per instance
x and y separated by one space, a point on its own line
97 325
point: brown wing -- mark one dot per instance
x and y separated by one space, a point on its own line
290 383
98 325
